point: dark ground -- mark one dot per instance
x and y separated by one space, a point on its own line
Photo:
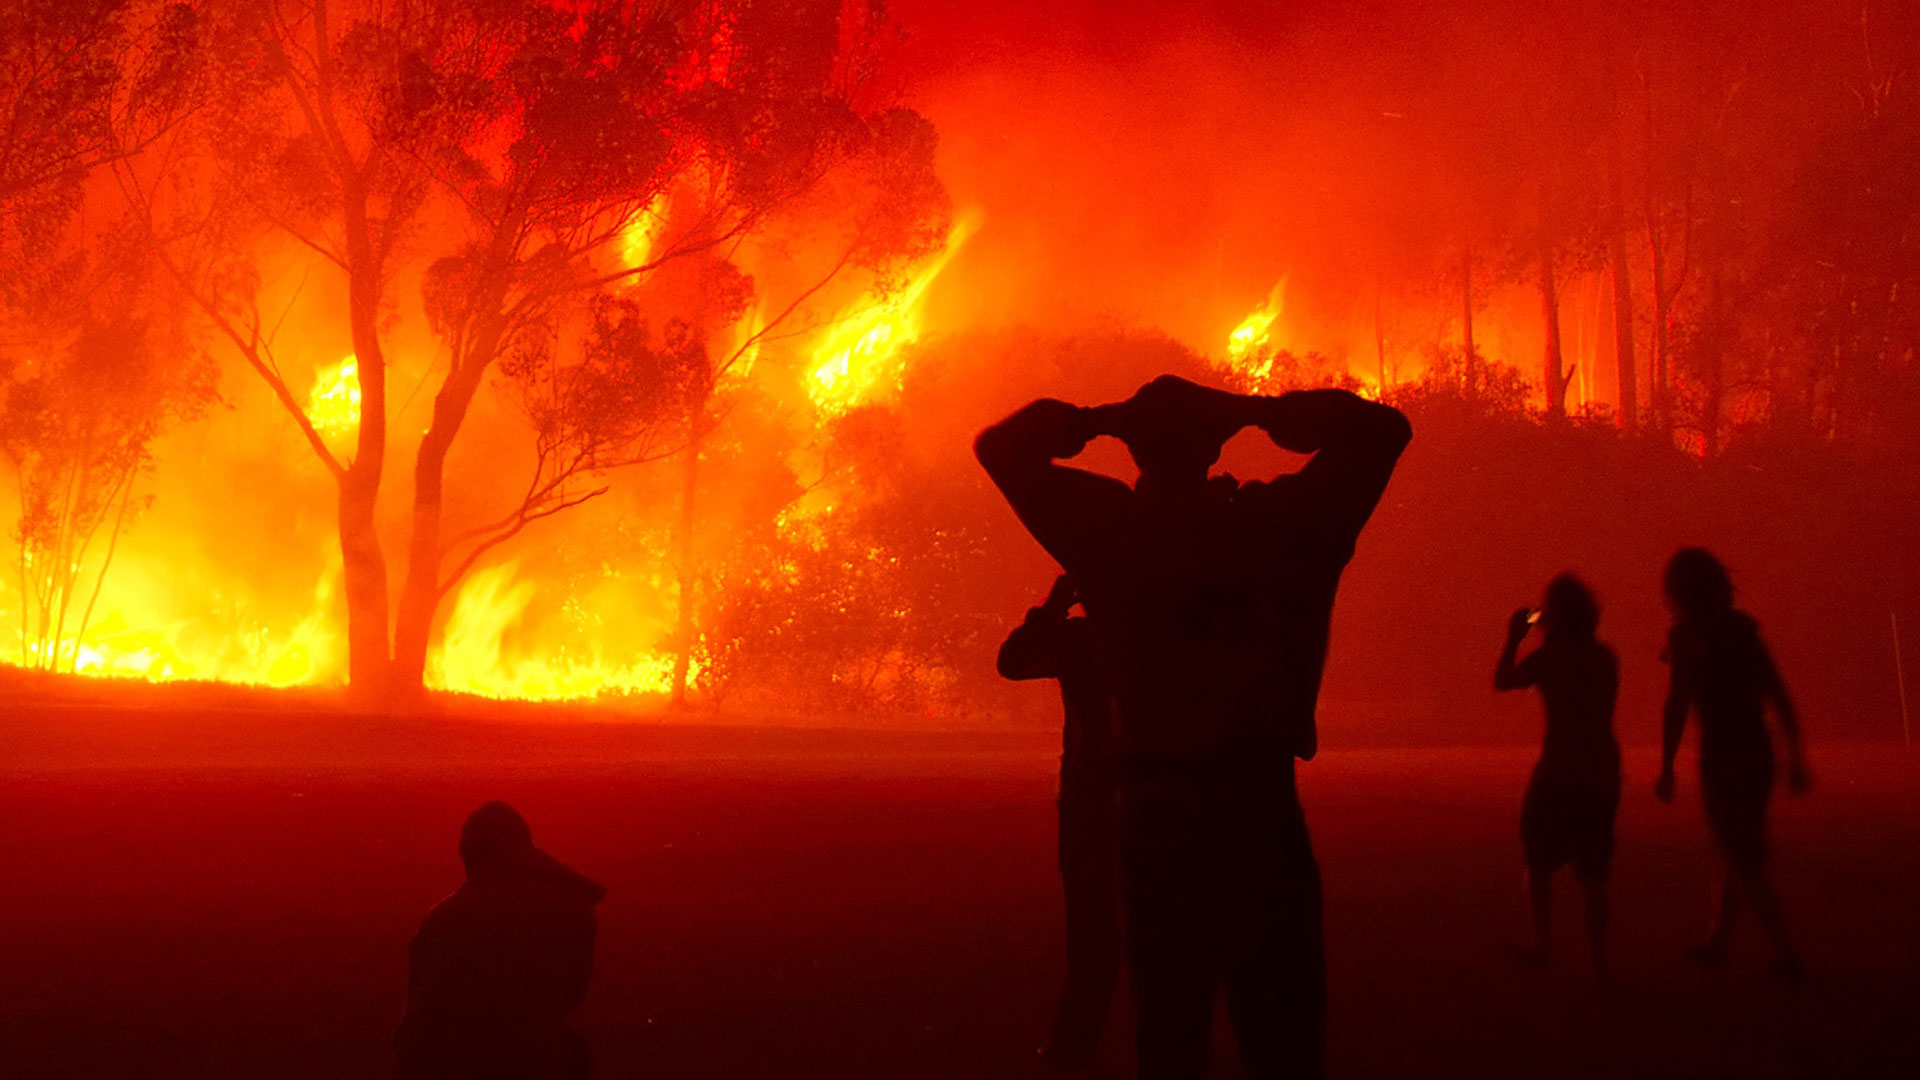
230 895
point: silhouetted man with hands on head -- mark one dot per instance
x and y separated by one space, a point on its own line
1052 643
1211 601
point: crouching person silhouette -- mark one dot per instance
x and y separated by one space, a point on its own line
1210 601
498 966
1053 644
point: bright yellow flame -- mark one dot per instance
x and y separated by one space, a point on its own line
134 638
474 656
334 402
638 238
860 355
1250 348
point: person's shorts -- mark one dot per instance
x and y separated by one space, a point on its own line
1736 801
1564 824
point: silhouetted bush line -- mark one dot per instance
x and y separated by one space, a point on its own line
899 615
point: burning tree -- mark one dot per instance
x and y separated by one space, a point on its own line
94 361
76 434
542 157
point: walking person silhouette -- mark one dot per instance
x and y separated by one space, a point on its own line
1211 602
1568 813
1053 644
1722 672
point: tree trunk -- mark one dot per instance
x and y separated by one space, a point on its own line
364 576
1622 299
1556 376
363 565
1788 411
420 593
1662 314
1379 342
1623 354
687 579
1466 318
1712 369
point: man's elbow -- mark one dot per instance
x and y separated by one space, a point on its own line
1391 427
1037 433
1013 659
1006 667
1001 450
1022 669
989 447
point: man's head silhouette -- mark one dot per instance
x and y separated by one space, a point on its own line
494 836
1174 429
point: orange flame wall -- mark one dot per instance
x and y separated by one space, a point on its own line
1220 180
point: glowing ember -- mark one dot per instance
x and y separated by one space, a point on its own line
860 356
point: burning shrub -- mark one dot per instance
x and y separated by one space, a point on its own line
76 431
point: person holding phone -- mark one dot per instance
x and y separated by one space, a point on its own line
1568 813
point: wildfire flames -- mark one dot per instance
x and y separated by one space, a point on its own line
129 642
476 654
860 356
489 644
1250 350
573 356
334 404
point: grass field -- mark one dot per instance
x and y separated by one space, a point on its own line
230 894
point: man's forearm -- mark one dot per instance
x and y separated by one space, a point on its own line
1036 435
1305 421
1066 509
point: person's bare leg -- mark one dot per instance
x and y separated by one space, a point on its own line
1758 891
1599 908
1540 898
1713 953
